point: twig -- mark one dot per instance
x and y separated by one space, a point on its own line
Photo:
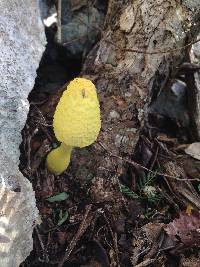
145 168
39 238
29 148
154 158
44 250
82 228
143 252
145 263
114 238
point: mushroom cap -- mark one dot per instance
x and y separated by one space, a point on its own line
77 117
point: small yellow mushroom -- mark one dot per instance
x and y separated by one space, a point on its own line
76 122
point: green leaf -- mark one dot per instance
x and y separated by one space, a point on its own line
154 198
146 180
63 219
199 187
127 192
60 215
59 197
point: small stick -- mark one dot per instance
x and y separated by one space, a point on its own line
82 228
114 238
39 238
145 168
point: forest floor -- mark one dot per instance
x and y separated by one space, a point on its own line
154 218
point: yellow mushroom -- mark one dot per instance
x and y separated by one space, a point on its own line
76 122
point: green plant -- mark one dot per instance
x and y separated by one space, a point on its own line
125 190
144 189
62 217
59 197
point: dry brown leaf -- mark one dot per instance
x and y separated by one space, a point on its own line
193 150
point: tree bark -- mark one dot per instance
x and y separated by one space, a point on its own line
195 91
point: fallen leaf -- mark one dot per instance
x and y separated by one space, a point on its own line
59 197
184 224
189 209
166 139
63 219
193 150
185 230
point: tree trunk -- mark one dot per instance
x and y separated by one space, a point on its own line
130 67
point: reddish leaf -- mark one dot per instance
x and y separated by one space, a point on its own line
185 230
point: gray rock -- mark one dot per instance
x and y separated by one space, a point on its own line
79 32
171 103
196 51
192 5
22 44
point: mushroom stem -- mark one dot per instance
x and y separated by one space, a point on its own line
58 159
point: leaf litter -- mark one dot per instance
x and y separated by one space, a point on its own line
132 216
115 212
